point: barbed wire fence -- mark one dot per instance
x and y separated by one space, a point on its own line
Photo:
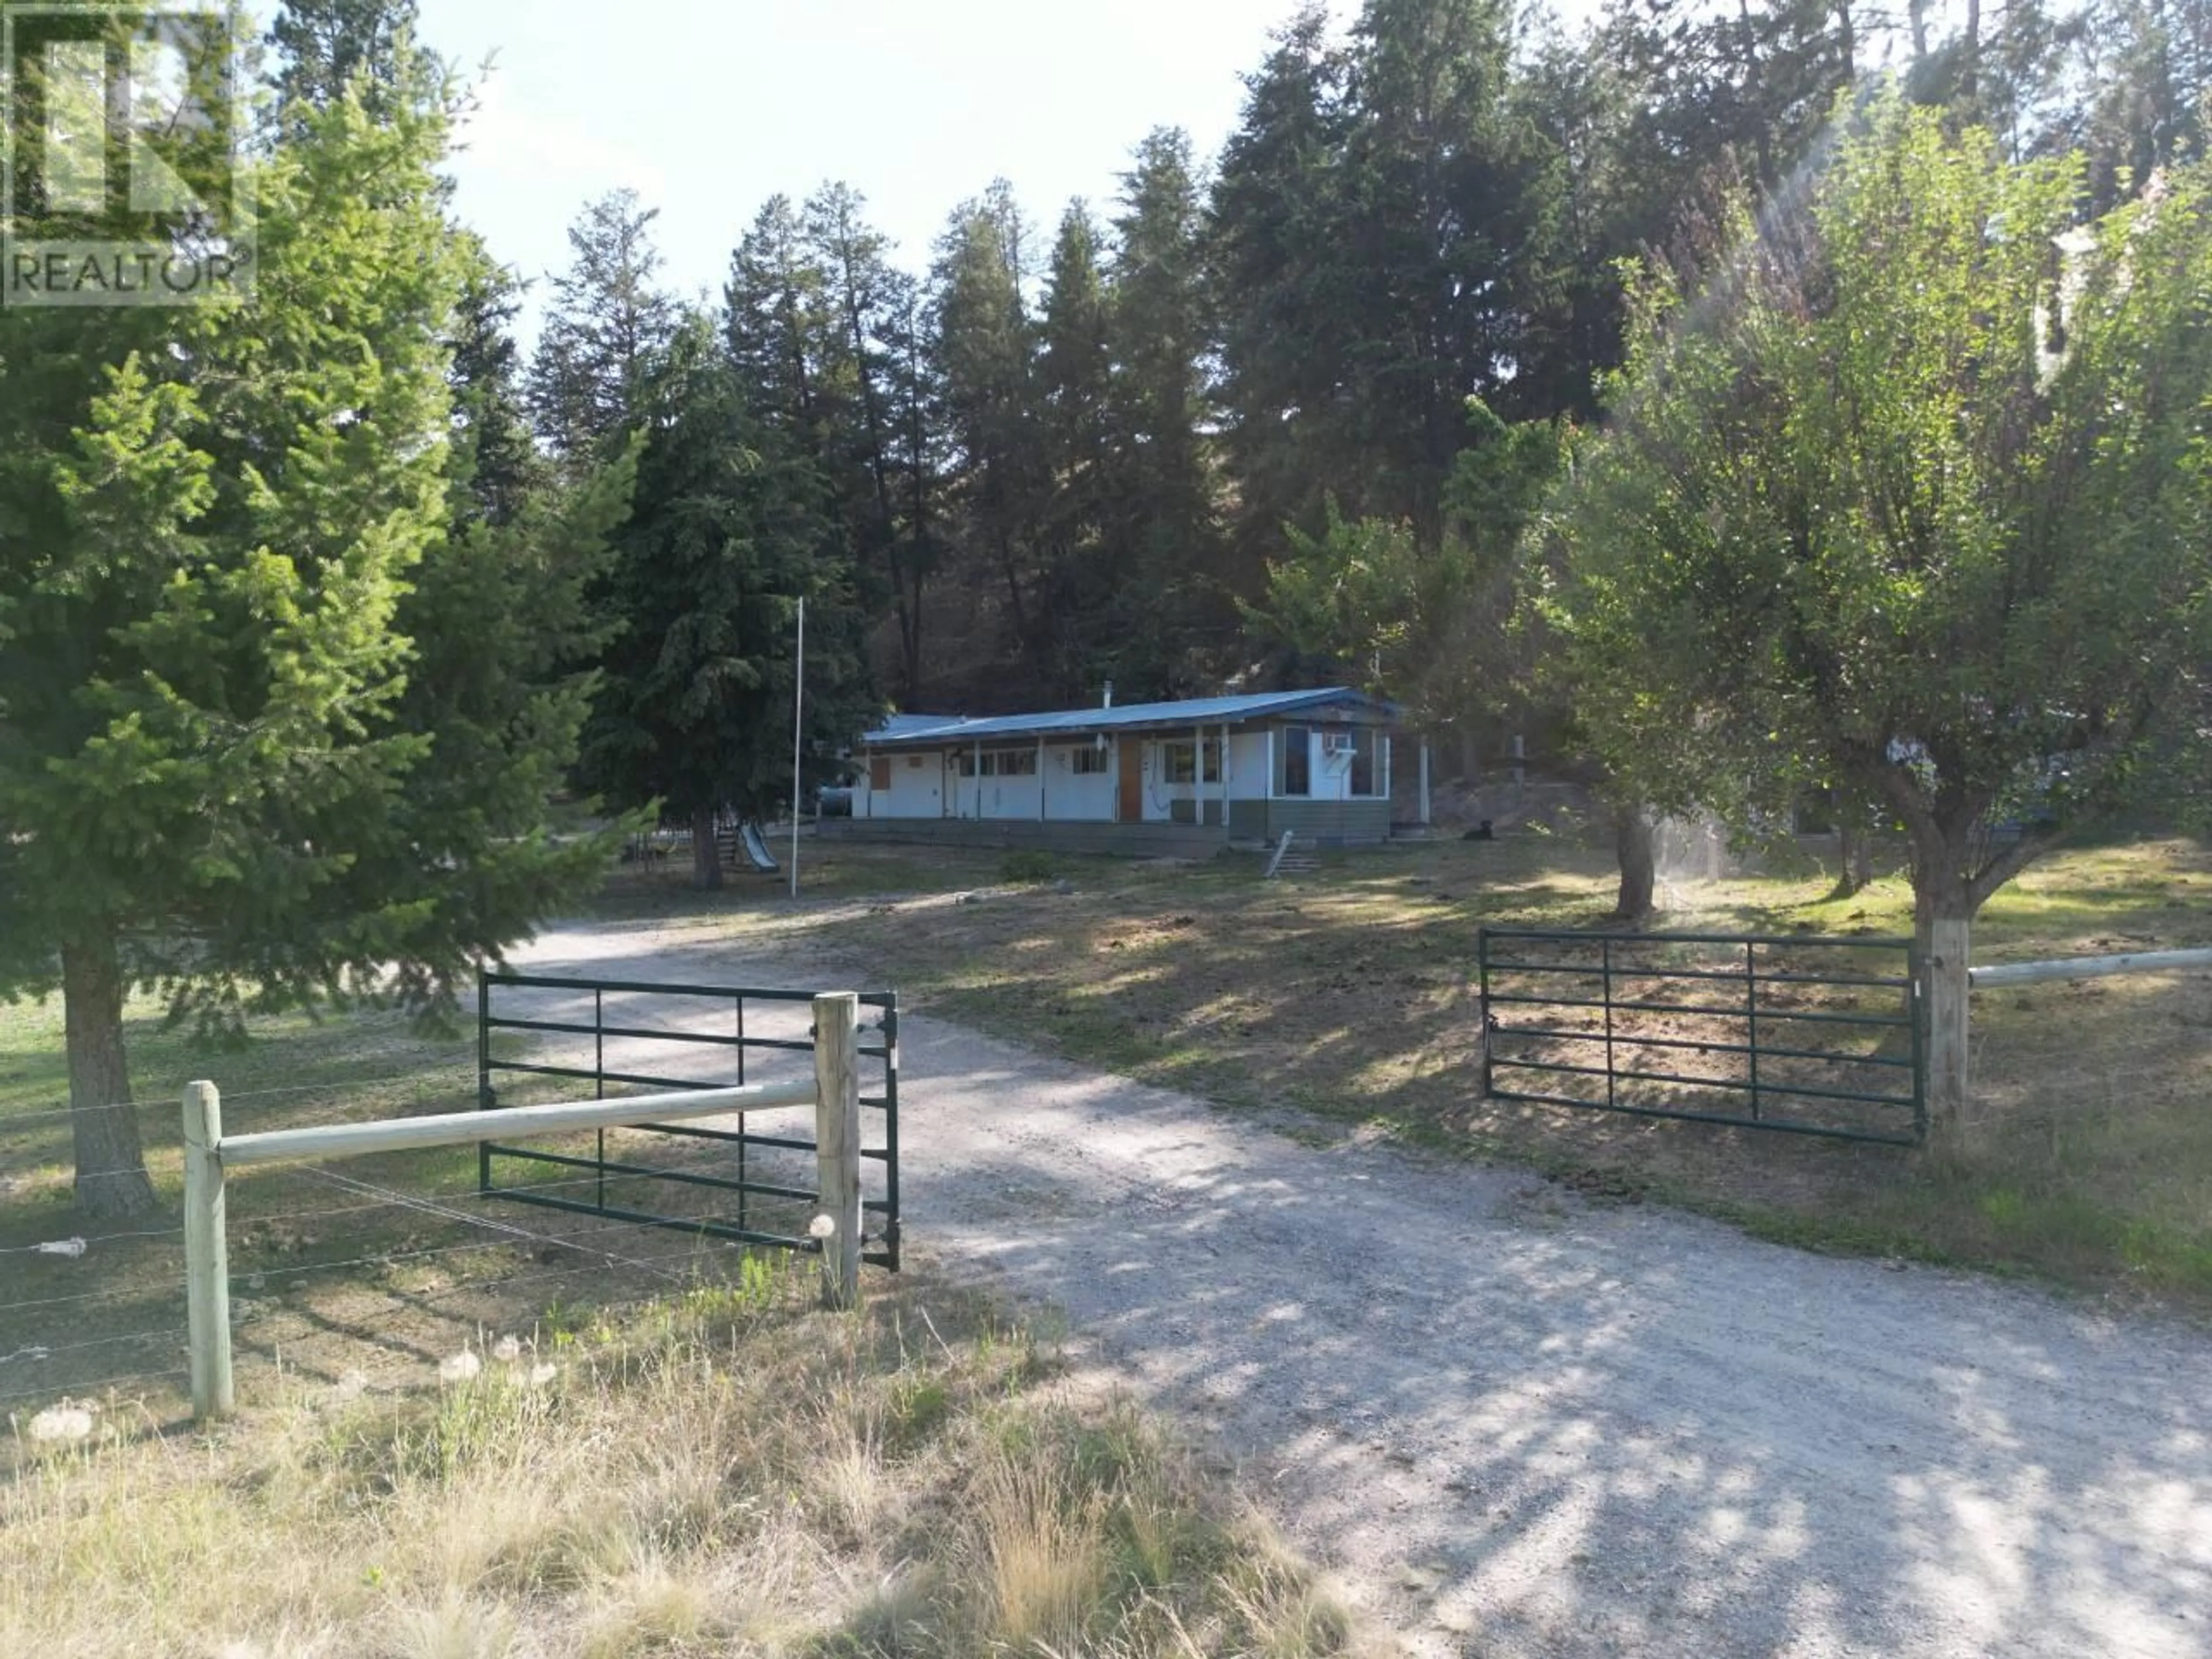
93 1319
398 1268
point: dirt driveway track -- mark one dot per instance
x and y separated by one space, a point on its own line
1516 1424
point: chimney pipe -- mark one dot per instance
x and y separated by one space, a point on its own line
1109 694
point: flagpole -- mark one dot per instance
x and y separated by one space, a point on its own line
798 730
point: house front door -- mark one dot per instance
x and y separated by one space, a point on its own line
1131 809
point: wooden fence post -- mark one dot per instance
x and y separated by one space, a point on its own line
837 1142
207 1256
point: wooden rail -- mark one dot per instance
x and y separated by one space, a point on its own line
834 1091
2038 973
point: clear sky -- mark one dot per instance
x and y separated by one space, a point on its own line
707 109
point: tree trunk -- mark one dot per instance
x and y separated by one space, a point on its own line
1969 57
1942 928
1632 840
1855 846
111 1170
706 855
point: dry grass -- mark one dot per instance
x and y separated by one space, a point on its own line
1349 996
727 1473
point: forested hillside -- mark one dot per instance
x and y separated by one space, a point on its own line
1047 453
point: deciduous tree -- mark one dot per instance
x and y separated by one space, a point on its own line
1916 496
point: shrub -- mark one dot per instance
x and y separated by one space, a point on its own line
1028 866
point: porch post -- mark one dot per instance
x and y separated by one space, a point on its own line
1225 781
975 749
1267 795
1197 777
1044 813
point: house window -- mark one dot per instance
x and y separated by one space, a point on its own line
1090 762
967 762
1296 777
1366 776
1181 762
1010 763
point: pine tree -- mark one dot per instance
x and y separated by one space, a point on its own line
1165 538
1075 382
919 462
1383 230
985 356
608 324
496 467
1278 255
324 46
728 534
778 313
862 298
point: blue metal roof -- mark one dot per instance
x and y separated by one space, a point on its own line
924 732
901 726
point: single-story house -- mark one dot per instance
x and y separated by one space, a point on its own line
1185 777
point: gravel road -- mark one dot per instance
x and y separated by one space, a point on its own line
1513 1423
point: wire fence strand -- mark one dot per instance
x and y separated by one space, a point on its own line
77 1391
240 1221
463 1062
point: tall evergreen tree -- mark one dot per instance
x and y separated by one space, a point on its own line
1278 230
1164 533
779 325
496 467
985 352
728 534
919 466
864 298
213 782
1075 371
1382 234
608 324
322 47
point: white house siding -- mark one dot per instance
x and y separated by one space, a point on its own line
1011 797
927 784
917 790
1078 797
1248 765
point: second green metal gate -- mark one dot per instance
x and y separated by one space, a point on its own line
1801 1033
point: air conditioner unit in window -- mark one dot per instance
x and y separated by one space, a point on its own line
1338 742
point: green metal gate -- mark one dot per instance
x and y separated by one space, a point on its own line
1801 1033
753 1187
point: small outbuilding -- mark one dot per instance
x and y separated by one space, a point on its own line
1183 777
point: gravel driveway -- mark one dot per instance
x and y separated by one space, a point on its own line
1515 1423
